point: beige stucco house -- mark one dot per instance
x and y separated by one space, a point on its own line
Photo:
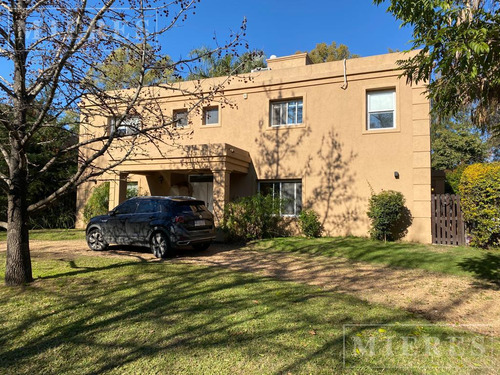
323 136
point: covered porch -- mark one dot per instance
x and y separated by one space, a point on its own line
203 171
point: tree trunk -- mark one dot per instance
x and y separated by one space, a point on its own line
18 267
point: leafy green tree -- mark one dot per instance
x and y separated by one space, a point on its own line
122 69
62 132
250 60
456 142
325 53
213 65
457 48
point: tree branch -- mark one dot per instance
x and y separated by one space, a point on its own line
5 155
73 46
4 85
58 66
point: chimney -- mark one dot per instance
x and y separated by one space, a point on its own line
292 61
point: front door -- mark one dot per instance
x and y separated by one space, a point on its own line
203 189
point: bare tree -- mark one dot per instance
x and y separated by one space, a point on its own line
51 45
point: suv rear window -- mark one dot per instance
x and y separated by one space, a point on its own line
189 207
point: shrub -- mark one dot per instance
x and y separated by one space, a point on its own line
389 217
480 200
253 218
453 179
309 224
98 203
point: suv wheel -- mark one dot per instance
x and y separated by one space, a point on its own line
159 245
95 240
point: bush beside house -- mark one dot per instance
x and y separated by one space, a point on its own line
98 203
389 217
253 218
309 224
480 198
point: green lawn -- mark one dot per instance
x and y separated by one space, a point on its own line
94 314
52 234
456 260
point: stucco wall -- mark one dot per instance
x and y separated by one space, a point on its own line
337 159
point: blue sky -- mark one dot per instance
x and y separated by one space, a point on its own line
282 27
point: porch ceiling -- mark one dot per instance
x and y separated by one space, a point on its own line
214 157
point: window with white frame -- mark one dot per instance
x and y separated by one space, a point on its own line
381 106
210 116
287 112
289 191
181 118
129 125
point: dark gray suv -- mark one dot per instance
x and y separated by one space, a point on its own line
163 223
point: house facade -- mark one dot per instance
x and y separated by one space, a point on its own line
322 136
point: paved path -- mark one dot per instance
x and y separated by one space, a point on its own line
437 297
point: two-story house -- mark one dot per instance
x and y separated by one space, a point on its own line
323 136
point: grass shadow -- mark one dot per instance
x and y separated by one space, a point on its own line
485 267
162 317
460 261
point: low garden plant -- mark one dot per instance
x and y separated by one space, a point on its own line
309 224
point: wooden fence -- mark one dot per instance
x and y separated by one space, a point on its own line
448 226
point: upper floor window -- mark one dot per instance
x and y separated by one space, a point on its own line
181 118
288 191
381 109
210 115
129 125
287 112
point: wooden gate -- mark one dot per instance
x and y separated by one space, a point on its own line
448 226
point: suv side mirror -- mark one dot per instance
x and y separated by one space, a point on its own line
112 213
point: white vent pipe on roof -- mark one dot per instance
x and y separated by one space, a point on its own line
344 86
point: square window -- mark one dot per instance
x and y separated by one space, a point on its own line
132 190
381 108
290 192
129 125
210 115
180 118
287 112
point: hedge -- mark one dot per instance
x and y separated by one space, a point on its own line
480 198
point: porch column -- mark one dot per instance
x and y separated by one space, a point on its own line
117 190
221 193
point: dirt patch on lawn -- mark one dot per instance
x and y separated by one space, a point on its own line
437 297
